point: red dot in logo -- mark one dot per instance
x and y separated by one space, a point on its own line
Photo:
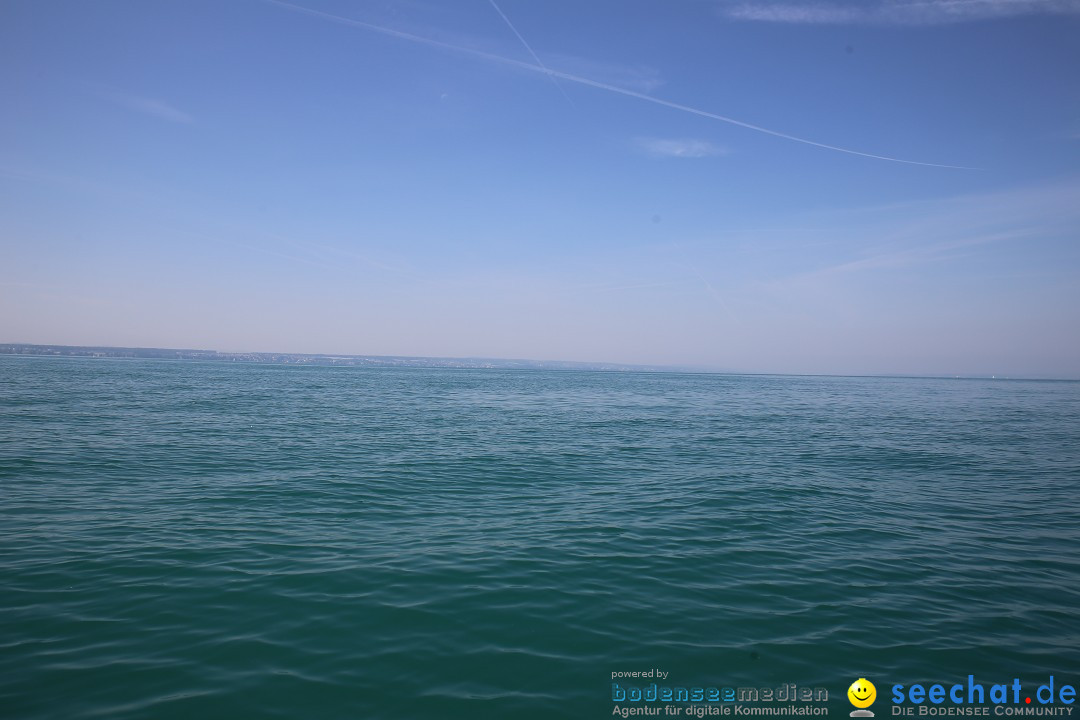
1027 700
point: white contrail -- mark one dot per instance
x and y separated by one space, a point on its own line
531 51
593 83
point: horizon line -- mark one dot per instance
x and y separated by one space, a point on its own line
625 366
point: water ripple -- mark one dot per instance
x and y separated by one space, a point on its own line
268 541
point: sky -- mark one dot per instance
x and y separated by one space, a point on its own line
872 187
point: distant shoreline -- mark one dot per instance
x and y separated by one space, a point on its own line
407 361
91 351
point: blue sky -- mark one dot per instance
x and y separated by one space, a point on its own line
549 180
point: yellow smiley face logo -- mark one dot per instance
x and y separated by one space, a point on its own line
862 693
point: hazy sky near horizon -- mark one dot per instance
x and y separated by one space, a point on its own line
899 191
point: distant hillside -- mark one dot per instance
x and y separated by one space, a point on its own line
310 359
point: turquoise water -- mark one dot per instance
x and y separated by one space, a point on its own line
230 540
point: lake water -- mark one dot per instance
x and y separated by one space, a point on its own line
235 540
